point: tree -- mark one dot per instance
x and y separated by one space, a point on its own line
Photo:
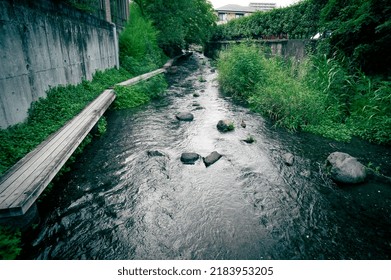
361 31
180 22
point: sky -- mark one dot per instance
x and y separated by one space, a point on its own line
280 3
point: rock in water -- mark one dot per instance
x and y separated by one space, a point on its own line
212 158
288 159
189 158
345 168
155 154
185 116
225 125
243 124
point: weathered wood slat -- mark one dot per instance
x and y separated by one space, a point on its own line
30 159
138 79
20 170
24 182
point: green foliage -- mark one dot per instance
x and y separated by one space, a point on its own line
296 21
371 110
317 95
201 79
240 70
139 94
230 127
361 31
9 243
139 51
180 22
250 139
102 126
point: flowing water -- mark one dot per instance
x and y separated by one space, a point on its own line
130 197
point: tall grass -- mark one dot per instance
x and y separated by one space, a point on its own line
318 95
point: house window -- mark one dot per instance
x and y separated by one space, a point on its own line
239 15
222 17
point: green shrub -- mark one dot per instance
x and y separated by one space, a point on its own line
102 126
240 70
318 95
9 243
139 51
139 94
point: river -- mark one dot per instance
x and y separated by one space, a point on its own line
129 196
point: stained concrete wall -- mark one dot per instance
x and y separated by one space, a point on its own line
44 44
287 48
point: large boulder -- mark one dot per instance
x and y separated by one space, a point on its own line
185 116
212 158
225 125
345 168
189 158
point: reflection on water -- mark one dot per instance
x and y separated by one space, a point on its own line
130 197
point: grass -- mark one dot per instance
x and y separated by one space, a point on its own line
318 95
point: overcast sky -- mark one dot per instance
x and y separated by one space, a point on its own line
280 3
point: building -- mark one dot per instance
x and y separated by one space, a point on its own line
264 7
231 11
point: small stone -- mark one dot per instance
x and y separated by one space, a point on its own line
196 95
212 158
288 159
189 158
185 116
243 124
155 154
225 125
198 108
305 173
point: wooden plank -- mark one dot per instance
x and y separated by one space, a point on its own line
66 148
26 171
143 77
24 182
21 169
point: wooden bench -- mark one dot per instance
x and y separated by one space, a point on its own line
26 180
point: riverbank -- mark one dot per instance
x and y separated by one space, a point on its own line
317 95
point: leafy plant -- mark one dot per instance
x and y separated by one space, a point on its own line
102 126
139 51
180 23
139 94
9 243
250 139
240 70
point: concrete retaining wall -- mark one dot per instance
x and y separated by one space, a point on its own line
44 44
287 48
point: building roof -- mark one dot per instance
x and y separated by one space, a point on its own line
236 8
